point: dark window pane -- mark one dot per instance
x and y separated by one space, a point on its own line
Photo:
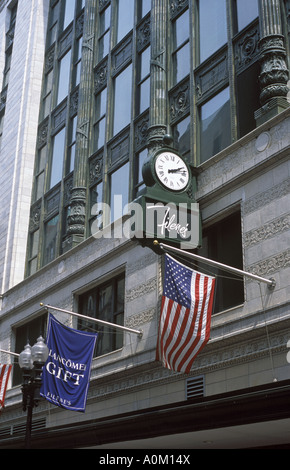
105 302
212 25
248 92
222 242
215 125
50 235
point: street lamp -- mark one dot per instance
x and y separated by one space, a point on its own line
31 361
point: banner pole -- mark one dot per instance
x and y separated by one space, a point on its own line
120 327
271 282
9 352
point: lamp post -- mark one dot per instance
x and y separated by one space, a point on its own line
31 361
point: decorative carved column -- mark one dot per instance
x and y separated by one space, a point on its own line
274 72
77 215
158 76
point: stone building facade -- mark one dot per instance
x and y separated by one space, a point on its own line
234 133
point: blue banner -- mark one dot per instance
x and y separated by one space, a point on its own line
66 373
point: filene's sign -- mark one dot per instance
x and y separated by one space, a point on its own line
175 223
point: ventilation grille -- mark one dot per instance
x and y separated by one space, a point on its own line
195 387
19 429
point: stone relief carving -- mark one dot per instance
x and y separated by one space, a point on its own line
271 265
270 230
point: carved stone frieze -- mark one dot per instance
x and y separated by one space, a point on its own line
263 198
211 76
80 25
269 230
271 265
103 3
141 318
95 169
42 134
176 6
74 101
143 34
100 79
179 102
35 217
49 59
247 48
140 290
141 131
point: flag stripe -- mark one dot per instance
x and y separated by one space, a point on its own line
202 334
185 319
4 377
194 326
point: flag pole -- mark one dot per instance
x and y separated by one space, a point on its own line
9 352
270 282
114 325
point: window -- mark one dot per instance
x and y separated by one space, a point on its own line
125 18
33 252
57 157
212 27
247 11
72 144
50 239
215 133
181 53
146 7
143 86
105 302
122 99
181 135
39 186
77 61
119 191
104 37
48 82
69 12
100 119
223 242
24 334
63 77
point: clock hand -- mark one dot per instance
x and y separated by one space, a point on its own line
177 170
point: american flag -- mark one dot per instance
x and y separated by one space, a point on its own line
185 318
5 370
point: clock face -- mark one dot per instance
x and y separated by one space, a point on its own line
171 171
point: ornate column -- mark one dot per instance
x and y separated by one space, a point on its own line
158 75
274 72
77 216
